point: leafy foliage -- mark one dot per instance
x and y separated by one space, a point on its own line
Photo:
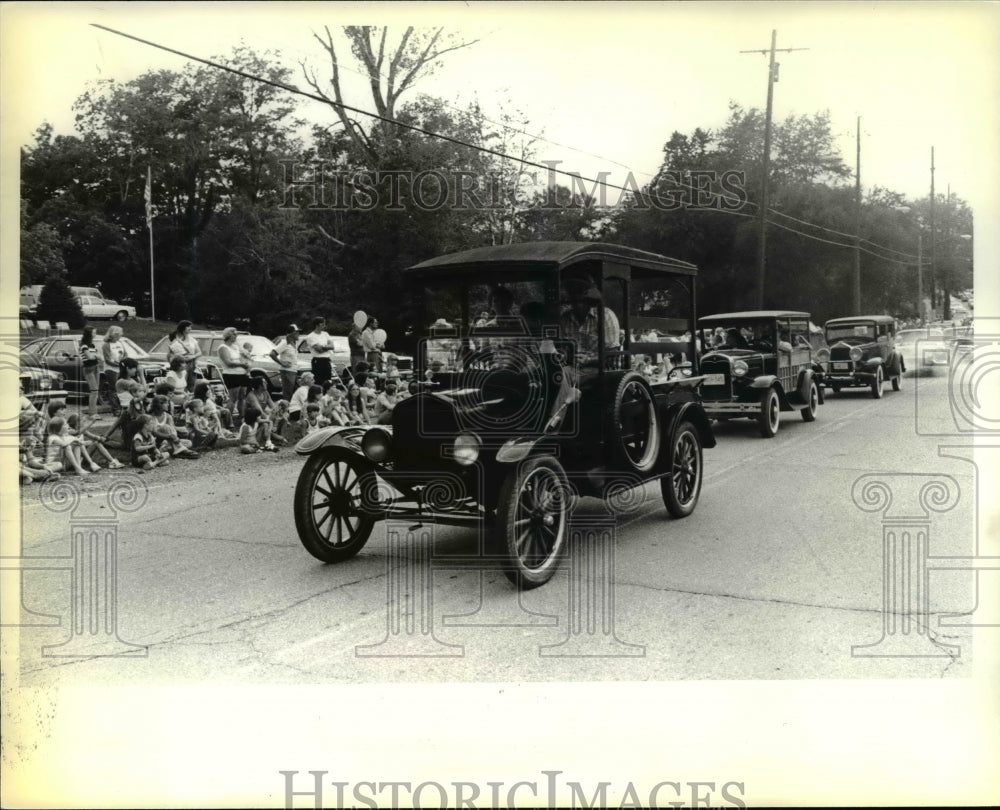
57 303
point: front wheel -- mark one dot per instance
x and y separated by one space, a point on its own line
682 486
809 411
532 519
328 499
877 383
769 417
121 316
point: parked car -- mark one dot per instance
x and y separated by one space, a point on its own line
757 364
521 421
39 383
923 349
863 353
97 308
261 364
61 354
961 340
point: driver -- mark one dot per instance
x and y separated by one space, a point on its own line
579 321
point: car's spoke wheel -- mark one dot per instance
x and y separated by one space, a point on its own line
877 383
769 417
532 519
682 486
809 411
329 517
634 428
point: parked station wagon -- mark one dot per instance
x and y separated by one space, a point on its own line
863 353
549 400
757 364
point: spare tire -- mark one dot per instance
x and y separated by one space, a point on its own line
633 424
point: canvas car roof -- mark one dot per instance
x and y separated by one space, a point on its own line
557 255
757 314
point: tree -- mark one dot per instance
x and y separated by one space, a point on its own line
391 70
57 303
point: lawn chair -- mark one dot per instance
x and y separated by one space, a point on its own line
27 326
62 327
44 326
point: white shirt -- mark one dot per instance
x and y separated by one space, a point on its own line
298 401
320 344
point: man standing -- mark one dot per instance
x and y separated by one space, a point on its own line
321 345
286 355
373 353
579 322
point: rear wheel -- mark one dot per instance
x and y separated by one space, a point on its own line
122 315
877 383
682 486
328 501
532 519
769 417
809 411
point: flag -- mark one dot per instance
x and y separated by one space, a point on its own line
149 197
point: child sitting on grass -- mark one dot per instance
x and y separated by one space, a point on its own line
199 432
64 450
31 467
93 443
145 454
314 419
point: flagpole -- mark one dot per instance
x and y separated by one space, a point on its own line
149 224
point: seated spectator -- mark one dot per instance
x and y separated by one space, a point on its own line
384 404
336 412
93 443
260 398
166 431
356 408
177 378
64 452
297 404
314 419
129 384
145 454
255 435
219 420
32 468
199 431
279 421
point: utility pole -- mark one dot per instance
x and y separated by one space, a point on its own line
933 242
772 77
857 225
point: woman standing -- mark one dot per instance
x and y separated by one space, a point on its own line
91 362
186 347
112 354
235 372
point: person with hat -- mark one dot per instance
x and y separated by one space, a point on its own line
579 322
286 355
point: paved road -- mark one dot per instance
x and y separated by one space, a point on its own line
776 575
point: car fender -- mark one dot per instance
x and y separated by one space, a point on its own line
516 450
348 437
765 381
673 414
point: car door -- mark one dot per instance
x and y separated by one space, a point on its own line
786 373
63 355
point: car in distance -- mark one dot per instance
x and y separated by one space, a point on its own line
97 308
261 363
39 383
525 414
923 349
863 353
757 364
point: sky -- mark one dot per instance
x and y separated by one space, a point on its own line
608 83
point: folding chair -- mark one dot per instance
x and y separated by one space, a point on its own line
44 326
26 326
62 327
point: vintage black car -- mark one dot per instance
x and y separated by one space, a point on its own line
523 412
863 353
757 364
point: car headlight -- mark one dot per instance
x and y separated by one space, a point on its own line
740 368
466 448
377 445
856 354
822 355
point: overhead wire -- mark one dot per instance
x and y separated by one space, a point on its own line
522 161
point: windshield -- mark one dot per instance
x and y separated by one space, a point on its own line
750 335
260 346
478 324
844 331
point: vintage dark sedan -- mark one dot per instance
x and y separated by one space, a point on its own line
40 384
521 415
863 353
758 364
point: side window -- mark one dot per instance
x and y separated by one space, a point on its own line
799 334
614 302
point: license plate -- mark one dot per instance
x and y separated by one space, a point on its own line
715 379
840 366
